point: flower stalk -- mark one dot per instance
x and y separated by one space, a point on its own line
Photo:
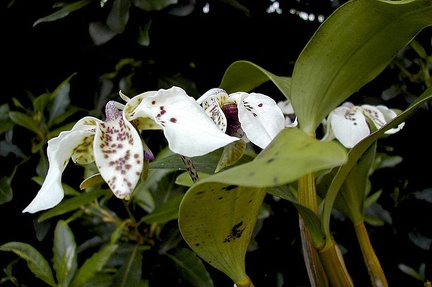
376 273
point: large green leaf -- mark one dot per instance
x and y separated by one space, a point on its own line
217 221
218 213
35 261
350 49
289 156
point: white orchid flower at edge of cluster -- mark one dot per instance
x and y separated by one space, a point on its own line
115 144
252 117
349 124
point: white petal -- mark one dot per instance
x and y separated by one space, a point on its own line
188 129
260 117
375 115
328 131
119 155
59 151
389 114
349 125
141 121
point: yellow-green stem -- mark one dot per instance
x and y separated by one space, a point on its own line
246 283
307 193
334 266
314 268
307 196
373 265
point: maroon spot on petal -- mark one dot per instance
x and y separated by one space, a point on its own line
260 105
153 102
173 120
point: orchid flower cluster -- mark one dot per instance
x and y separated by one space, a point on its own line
117 149
191 127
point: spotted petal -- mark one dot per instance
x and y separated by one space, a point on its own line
119 155
187 128
349 125
260 117
59 151
212 102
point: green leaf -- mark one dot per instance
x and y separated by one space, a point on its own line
5 122
206 163
231 154
35 261
65 253
73 203
59 100
184 178
164 212
41 102
245 76
6 193
191 267
290 155
93 265
26 121
217 221
63 12
129 273
335 64
119 15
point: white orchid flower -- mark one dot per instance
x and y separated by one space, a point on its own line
350 124
187 128
252 117
116 147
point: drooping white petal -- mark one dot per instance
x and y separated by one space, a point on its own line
187 128
260 117
59 151
349 125
119 155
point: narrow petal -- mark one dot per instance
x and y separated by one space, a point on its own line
119 155
349 125
59 151
260 117
212 102
187 128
